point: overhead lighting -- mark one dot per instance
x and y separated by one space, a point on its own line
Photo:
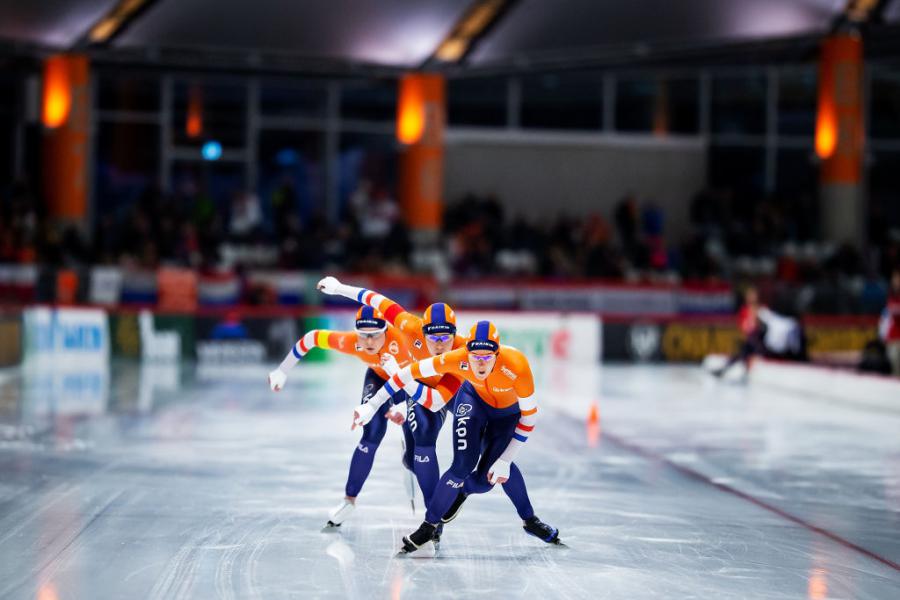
473 24
113 21
452 50
859 11
211 150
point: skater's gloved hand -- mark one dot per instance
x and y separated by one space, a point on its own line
277 379
389 364
328 285
499 472
397 414
362 415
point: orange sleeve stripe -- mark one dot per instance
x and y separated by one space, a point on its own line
396 381
525 427
531 411
428 399
416 371
303 347
368 298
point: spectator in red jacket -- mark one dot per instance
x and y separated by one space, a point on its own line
889 328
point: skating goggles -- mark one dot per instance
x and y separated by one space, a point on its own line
439 339
482 357
368 335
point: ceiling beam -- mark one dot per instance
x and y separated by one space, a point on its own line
474 24
116 20
858 14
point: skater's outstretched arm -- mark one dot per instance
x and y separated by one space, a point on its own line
446 386
433 399
342 341
394 313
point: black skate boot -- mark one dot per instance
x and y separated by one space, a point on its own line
420 542
454 509
436 538
541 530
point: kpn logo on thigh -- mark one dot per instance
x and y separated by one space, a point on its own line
463 409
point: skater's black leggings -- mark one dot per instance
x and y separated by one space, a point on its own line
753 345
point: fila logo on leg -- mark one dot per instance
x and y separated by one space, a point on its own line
422 459
363 449
454 485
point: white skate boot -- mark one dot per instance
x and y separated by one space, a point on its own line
340 513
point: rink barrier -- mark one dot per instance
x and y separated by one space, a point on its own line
843 385
10 338
66 335
566 335
662 338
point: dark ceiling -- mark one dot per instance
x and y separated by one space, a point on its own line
404 33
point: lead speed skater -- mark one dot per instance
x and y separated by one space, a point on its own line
494 414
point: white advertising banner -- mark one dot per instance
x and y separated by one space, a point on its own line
73 334
571 337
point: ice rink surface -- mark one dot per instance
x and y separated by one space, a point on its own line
175 482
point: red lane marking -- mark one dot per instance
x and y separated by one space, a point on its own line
696 475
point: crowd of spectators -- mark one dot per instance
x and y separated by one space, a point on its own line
772 242
188 228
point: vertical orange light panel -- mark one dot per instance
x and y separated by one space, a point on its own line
410 110
420 127
194 123
839 119
66 118
661 110
57 97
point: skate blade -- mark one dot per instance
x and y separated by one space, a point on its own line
330 527
426 550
